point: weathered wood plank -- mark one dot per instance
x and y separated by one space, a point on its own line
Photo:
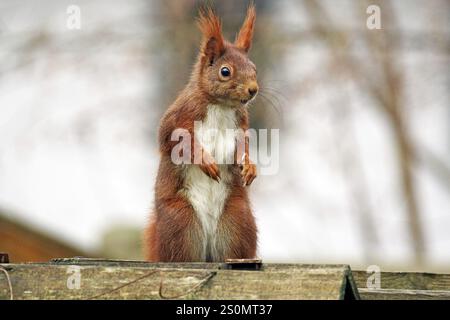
212 281
406 280
184 281
402 294
188 265
405 286
81 261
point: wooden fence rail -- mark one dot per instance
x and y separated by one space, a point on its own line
81 278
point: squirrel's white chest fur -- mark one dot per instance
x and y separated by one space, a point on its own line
206 195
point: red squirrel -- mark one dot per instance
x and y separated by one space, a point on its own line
202 210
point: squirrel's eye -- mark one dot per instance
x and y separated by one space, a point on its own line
225 72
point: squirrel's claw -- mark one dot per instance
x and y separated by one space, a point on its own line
210 168
215 173
248 174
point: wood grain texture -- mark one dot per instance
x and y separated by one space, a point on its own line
140 280
126 279
405 286
402 294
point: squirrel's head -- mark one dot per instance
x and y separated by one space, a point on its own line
225 72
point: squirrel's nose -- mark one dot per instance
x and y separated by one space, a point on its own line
252 91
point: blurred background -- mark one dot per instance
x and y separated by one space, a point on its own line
363 114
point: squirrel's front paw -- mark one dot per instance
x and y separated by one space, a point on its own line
248 174
209 167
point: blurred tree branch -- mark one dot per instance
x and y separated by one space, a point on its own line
387 91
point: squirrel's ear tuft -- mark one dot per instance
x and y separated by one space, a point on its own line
245 35
211 28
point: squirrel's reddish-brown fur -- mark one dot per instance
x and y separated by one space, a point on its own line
175 232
